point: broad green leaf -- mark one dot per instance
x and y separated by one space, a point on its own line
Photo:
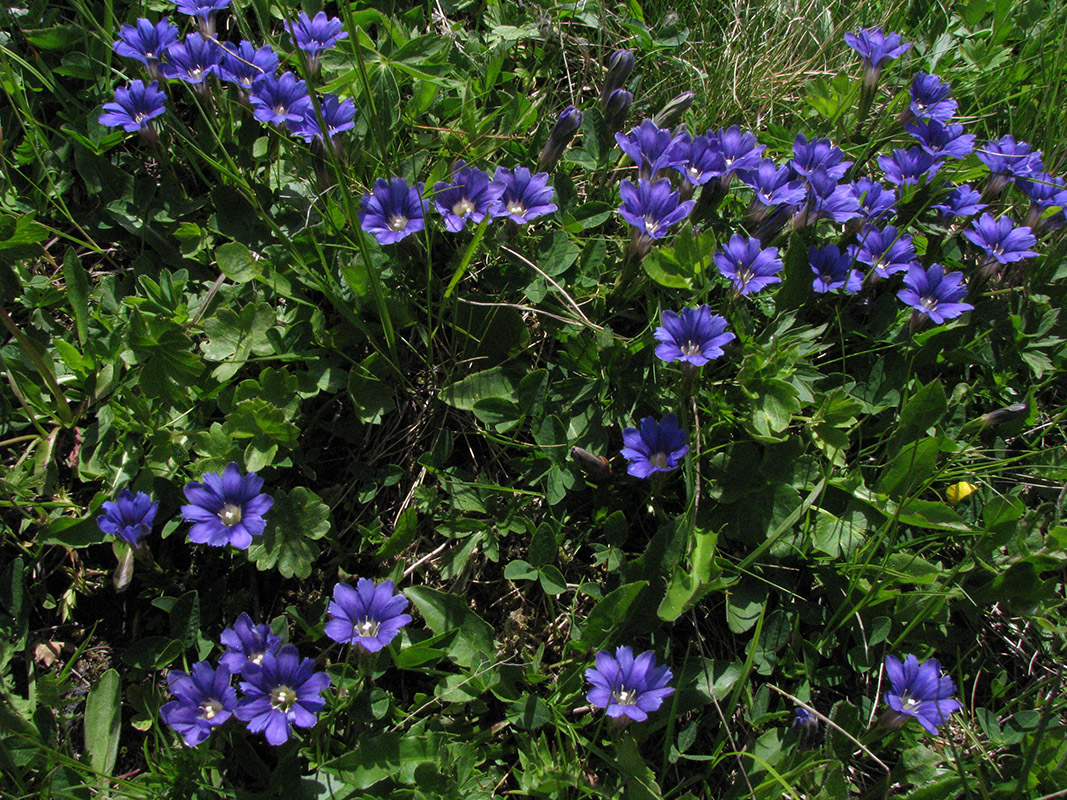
185 618
293 523
77 280
233 336
606 616
103 722
449 613
466 393
388 756
543 547
236 262
910 468
922 410
403 534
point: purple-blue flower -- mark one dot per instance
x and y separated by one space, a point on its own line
774 185
876 201
808 156
1016 159
525 196
886 251
748 264
469 196
203 700
695 336
933 293
1000 239
146 42
652 207
337 114
627 686
134 107
701 157
201 8
905 167
567 124
651 148
941 140
280 692
1043 189
616 109
656 447
920 691
962 202
315 35
279 100
246 643
193 60
833 270
740 150
227 508
875 47
930 98
620 64
393 210
827 199
129 517
243 64
370 616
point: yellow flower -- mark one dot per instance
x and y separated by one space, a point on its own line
958 491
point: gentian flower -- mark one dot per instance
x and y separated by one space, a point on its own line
652 207
905 167
338 115
748 265
876 201
876 49
279 100
617 109
134 108
657 447
204 11
243 64
193 60
315 35
941 140
808 156
963 202
226 508
146 42
1045 191
279 692
393 210
525 196
833 270
628 686
740 150
1005 156
567 124
930 98
701 157
827 200
774 185
651 148
469 196
1001 240
934 294
203 700
370 616
695 336
886 251
246 644
804 720
620 65
920 691
129 517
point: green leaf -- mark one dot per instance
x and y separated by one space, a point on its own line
233 336
796 276
922 410
389 756
530 713
910 468
293 523
185 618
662 267
520 570
449 613
77 280
465 394
552 580
152 653
103 721
236 262
556 252
607 615
403 534
744 605
543 547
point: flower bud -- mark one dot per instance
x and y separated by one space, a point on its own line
617 109
672 112
570 120
620 65
1006 414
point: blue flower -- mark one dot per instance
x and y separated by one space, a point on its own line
886 251
1001 240
695 336
469 196
875 200
934 294
962 202
905 167
393 210
280 692
370 616
827 199
808 156
134 107
875 47
315 35
1043 189
617 109
146 42
1005 156
656 447
227 508
243 64
920 691
941 140
701 157
246 643
204 11
740 150
652 208
203 700
525 196
193 60
930 98
774 185
129 517
748 264
627 686
567 125
338 115
651 148
620 65
833 270
279 100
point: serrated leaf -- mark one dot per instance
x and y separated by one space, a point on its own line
293 523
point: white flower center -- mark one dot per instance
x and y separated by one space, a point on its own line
398 222
463 207
256 658
929 303
691 348
626 697
209 708
516 208
230 515
658 460
280 110
651 225
368 627
282 698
